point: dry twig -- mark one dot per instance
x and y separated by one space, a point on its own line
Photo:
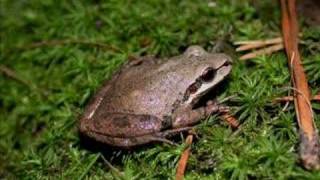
69 41
112 168
247 45
11 74
259 47
268 46
232 121
309 145
182 164
291 98
264 51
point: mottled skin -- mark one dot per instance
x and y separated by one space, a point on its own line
150 99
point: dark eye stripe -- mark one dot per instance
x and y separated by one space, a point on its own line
193 88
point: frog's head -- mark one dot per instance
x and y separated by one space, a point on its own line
208 68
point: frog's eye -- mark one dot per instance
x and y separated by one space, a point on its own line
208 74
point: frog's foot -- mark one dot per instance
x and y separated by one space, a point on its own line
162 136
214 107
164 140
172 132
225 111
158 137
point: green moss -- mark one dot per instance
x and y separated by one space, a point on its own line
38 133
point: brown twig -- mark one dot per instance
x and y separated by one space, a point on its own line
267 46
264 42
11 74
247 45
68 41
232 121
309 145
267 50
182 164
291 98
111 167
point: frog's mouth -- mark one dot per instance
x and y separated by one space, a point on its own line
207 81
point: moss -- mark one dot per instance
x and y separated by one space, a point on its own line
38 134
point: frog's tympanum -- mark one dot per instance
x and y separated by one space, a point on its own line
152 99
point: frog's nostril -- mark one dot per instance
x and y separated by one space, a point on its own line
227 63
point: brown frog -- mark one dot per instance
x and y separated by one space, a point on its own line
152 99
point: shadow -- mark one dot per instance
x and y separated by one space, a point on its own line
111 153
115 154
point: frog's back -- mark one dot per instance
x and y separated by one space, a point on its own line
144 89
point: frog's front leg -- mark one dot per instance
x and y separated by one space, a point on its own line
186 116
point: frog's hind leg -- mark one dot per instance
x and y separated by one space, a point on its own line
140 140
162 136
158 137
172 132
129 142
122 142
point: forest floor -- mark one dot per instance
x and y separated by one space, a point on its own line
55 54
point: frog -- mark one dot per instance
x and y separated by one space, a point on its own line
152 99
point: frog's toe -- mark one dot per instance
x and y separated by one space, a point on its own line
164 140
172 132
